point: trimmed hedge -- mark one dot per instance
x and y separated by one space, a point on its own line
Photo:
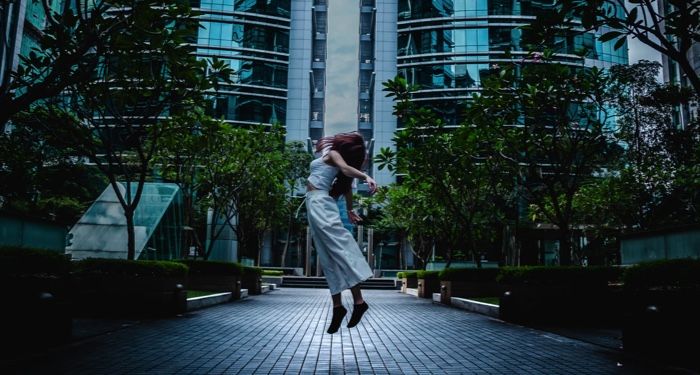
663 274
275 273
428 274
16 261
134 268
208 267
469 274
400 275
410 275
558 276
249 271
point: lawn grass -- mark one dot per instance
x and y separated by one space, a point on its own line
199 293
491 300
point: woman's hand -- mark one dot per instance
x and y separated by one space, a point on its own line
354 217
372 184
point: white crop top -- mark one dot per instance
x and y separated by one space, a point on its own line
322 174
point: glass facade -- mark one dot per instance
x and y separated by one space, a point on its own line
447 47
158 225
252 36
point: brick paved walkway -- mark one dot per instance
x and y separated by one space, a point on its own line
284 332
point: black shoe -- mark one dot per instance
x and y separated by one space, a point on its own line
357 313
338 315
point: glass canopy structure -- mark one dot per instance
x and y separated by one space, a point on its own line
158 220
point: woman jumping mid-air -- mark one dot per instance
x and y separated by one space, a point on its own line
343 264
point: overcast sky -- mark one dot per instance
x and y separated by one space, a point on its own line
639 51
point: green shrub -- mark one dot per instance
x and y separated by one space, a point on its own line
135 268
400 275
249 271
26 261
272 273
208 267
410 274
469 274
664 274
558 276
428 274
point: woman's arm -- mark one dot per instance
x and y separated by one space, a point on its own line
354 217
350 171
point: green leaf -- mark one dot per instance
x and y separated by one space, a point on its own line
620 42
632 16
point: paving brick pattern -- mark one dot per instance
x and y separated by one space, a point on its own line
284 332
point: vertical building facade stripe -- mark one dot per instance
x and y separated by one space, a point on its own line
299 82
384 68
342 68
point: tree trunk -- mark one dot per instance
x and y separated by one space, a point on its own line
130 233
564 245
286 242
690 73
208 245
300 263
472 245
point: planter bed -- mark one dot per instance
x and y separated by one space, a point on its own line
661 311
428 283
35 287
558 295
476 306
469 283
409 279
251 279
120 288
214 276
200 302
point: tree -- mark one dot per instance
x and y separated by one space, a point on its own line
464 182
556 133
42 179
180 159
240 174
671 31
411 212
652 186
297 170
260 207
146 78
66 52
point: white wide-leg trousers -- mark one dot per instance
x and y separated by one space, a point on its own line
341 258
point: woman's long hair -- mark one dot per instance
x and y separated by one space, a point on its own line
351 146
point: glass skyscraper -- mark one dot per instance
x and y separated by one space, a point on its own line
447 47
21 24
252 36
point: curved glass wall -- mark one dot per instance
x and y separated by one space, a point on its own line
278 8
253 37
447 47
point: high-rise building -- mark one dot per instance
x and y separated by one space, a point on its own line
672 73
447 47
253 38
340 53
21 25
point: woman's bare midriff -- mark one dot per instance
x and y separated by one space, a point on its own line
310 187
